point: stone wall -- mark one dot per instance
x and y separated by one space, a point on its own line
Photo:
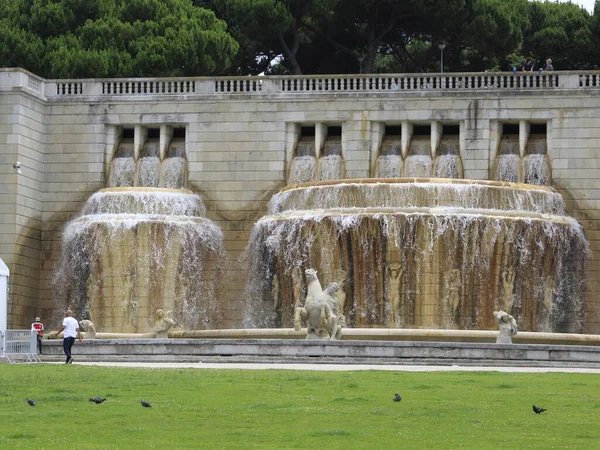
22 138
238 148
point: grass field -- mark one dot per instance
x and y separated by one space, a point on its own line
203 408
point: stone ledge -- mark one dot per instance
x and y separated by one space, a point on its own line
339 352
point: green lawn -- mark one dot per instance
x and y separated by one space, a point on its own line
203 408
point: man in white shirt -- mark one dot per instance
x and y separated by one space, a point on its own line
70 329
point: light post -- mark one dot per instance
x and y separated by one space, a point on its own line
360 60
442 46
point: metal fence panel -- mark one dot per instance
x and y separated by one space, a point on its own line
20 343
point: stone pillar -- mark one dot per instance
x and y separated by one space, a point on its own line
166 135
523 136
495 128
407 130
436 136
292 134
462 145
113 134
139 138
320 136
377 133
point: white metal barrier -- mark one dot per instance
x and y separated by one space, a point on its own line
21 344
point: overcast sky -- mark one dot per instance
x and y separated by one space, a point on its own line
587 4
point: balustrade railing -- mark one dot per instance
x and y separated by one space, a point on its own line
143 87
304 84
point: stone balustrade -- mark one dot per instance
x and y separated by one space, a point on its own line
304 84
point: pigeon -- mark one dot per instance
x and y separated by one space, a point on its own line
145 404
97 400
31 402
397 398
538 410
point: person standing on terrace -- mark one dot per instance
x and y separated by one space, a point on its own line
528 66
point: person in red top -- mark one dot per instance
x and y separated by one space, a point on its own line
39 328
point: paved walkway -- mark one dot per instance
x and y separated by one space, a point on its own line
340 367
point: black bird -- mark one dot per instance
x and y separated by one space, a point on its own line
538 410
397 398
145 404
31 402
97 400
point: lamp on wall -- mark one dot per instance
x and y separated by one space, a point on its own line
17 167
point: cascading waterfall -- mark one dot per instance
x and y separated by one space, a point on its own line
302 169
304 163
447 166
389 162
122 172
535 169
436 254
389 166
148 171
508 168
148 167
172 173
134 251
331 167
418 166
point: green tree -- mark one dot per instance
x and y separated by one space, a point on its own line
563 32
115 38
321 36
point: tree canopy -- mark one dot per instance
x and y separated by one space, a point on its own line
113 38
349 36
123 38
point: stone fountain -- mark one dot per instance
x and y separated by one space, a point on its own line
136 249
421 253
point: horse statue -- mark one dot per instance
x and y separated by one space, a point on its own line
320 310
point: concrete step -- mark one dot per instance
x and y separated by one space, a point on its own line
326 352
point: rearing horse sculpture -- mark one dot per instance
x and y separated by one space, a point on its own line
320 310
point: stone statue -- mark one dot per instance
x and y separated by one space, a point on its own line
508 285
129 304
297 285
321 310
549 286
89 328
453 284
394 272
163 323
507 325
275 292
341 276
314 286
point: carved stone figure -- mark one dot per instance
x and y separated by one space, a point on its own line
549 286
453 284
321 310
394 278
89 328
341 276
508 286
163 323
275 292
507 325
297 285
129 304
314 286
